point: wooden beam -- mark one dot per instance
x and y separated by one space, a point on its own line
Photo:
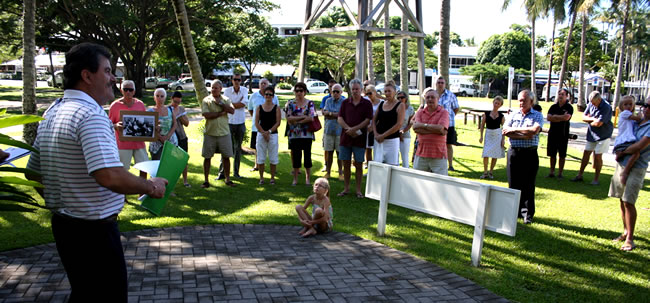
348 11
410 15
334 36
393 31
372 13
329 30
319 11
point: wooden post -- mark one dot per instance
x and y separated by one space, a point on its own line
421 68
303 45
479 225
362 45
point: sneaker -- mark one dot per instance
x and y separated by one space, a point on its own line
595 182
451 168
577 179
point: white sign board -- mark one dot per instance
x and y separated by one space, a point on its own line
481 205
511 77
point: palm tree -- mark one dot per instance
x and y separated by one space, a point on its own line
619 71
585 10
403 58
558 17
573 9
189 50
443 61
29 69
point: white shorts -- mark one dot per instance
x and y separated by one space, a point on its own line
598 147
267 149
387 151
139 155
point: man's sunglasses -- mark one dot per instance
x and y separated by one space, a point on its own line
128 89
236 79
336 91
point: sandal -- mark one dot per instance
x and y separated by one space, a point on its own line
261 182
205 185
628 246
272 182
360 196
483 176
187 185
231 184
341 194
620 238
490 176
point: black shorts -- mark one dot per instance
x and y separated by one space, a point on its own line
253 140
182 143
557 146
452 138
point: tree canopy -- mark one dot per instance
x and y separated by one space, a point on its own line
511 48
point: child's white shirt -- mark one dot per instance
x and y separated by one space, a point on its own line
625 128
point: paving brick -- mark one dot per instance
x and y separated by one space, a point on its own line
248 263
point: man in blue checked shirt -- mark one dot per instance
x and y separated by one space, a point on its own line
332 133
523 127
450 103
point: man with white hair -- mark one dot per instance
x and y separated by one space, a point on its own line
332 133
216 134
523 127
257 99
128 149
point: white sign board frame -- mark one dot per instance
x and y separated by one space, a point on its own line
481 205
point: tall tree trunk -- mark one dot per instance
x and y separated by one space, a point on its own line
533 82
371 63
619 71
443 61
550 63
581 82
388 65
189 50
566 52
403 58
29 69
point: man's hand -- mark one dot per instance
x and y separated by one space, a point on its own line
352 133
158 187
119 126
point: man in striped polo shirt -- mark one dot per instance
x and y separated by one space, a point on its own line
523 127
84 180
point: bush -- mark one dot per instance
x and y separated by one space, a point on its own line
283 85
268 75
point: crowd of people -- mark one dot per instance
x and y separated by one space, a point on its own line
85 190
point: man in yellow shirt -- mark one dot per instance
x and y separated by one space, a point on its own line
216 137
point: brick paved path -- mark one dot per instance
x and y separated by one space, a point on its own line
248 263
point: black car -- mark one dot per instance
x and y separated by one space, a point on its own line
256 83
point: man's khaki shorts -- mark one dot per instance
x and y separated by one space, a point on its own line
139 155
217 145
331 142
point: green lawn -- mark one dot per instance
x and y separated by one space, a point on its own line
566 255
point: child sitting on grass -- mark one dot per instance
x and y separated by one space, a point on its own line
626 135
321 219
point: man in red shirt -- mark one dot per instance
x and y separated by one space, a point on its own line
431 124
128 149
354 116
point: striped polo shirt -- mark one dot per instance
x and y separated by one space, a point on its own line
75 139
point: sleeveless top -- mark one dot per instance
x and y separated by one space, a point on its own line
387 119
493 123
267 119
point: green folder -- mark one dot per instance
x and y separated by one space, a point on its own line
172 163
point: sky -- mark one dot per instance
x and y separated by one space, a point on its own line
469 18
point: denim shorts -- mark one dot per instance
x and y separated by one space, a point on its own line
345 153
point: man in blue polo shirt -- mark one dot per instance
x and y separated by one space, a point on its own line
598 116
332 133
523 127
450 103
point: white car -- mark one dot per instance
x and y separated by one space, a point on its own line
186 84
380 88
464 90
317 87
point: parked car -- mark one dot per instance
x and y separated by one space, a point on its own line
153 82
380 88
317 87
186 84
59 79
464 90
255 84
